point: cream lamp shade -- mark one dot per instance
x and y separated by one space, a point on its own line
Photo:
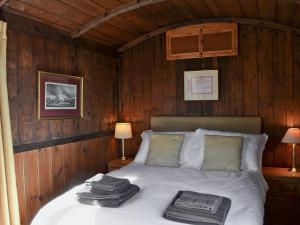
123 131
292 136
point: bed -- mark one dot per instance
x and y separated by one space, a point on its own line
158 185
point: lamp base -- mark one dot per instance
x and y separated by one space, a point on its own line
293 170
123 158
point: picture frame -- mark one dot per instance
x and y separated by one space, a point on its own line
59 96
201 85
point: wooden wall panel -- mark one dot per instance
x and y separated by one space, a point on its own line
262 80
42 174
28 54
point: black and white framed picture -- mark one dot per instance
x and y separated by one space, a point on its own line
59 96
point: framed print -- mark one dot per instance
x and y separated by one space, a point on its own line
59 96
201 85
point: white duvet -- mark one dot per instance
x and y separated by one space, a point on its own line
158 187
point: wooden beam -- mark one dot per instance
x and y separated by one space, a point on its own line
60 141
255 22
129 6
3 2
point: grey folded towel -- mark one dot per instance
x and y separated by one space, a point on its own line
96 196
194 200
197 216
108 183
108 201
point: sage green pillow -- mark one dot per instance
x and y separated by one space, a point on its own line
164 150
222 153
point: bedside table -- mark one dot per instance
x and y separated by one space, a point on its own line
118 163
282 206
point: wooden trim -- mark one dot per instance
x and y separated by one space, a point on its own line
255 22
24 23
129 6
289 1
59 141
3 2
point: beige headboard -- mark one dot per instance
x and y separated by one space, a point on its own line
245 124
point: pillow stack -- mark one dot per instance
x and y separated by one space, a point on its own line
202 149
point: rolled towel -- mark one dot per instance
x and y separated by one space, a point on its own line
109 183
198 216
112 201
194 200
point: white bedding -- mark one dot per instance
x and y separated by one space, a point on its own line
158 187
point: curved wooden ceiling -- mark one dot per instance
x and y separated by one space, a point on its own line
70 15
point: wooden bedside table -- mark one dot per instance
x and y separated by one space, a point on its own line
118 163
282 206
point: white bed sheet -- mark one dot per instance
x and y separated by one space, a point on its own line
158 187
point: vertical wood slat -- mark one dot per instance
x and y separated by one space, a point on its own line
20 177
45 174
296 59
250 71
31 173
26 102
266 87
12 82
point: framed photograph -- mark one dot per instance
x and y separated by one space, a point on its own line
59 96
201 85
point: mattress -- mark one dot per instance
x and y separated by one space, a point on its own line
158 185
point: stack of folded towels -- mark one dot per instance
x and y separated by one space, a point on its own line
196 208
107 192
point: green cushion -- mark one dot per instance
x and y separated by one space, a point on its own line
164 150
222 153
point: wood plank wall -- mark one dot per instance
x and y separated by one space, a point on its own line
264 80
44 173
27 54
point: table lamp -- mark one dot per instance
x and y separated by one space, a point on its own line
123 131
292 136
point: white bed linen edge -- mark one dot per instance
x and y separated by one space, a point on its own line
158 187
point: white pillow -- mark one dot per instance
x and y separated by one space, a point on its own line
191 154
142 153
253 147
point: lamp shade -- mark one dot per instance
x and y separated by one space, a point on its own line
292 136
123 131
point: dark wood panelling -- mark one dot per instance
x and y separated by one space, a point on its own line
29 53
29 26
262 80
42 174
70 15
63 152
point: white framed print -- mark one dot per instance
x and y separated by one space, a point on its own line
201 85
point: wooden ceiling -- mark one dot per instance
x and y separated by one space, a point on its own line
70 15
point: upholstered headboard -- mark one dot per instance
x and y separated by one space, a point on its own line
245 124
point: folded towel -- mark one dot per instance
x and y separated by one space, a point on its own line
194 200
95 196
108 201
198 216
108 183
